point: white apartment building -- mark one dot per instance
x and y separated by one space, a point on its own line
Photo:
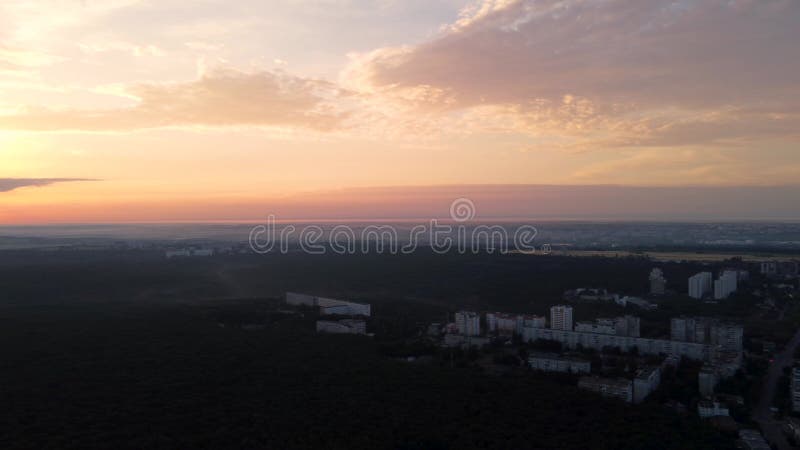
600 326
561 317
645 346
726 284
548 362
468 323
503 324
701 285
706 330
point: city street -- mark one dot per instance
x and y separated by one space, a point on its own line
762 414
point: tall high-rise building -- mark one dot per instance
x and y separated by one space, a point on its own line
700 285
658 284
561 317
468 323
726 284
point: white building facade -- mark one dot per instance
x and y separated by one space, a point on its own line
561 317
645 383
468 323
555 363
701 285
726 284
645 346
619 388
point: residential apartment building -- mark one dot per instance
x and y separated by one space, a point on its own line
645 383
561 317
548 362
704 330
620 326
701 285
645 346
726 284
468 323
619 388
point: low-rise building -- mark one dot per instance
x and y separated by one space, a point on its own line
590 294
711 408
779 269
638 302
329 306
753 440
548 362
463 341
600 326
533 321
620 326
619 388
344 326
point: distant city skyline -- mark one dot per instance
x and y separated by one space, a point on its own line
491 203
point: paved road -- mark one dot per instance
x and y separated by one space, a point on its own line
762 414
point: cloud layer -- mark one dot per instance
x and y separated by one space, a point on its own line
613 72
580 74
9 184
219 98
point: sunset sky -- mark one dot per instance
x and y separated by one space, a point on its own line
135 110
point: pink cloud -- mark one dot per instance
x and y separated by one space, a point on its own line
219 98
647 72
